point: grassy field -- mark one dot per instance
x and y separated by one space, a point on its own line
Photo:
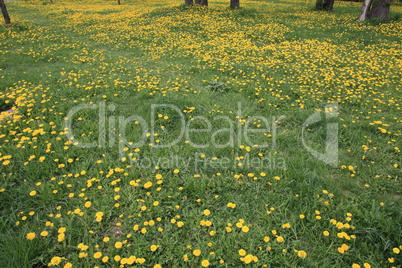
156 135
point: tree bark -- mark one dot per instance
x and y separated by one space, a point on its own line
118 2
364 10
202 2
234 4
5 13
188 2
379 9
327 5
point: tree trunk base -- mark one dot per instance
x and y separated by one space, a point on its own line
380 10
326 5
201 2
364 10
234 4
5 12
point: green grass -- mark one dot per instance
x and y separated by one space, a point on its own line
161 63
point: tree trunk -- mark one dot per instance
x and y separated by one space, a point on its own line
364 10
379 9
188 2
202 2
324 5
118 2
330 5
5 13
234 3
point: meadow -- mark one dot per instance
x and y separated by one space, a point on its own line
151 134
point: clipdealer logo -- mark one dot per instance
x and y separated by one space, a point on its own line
236 132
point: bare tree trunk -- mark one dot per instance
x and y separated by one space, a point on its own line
188 2
5 13
327 5
202 2
380 9
330 5
234 3
364 10
118 2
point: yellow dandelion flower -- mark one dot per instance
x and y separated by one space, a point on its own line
205 263
30 236
245 229
242 252
197 252
97 255
147 185
61 237
280 239
99 214
54 261
344 247
302 254
248 259
44 233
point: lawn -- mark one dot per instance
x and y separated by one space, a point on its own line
152 134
